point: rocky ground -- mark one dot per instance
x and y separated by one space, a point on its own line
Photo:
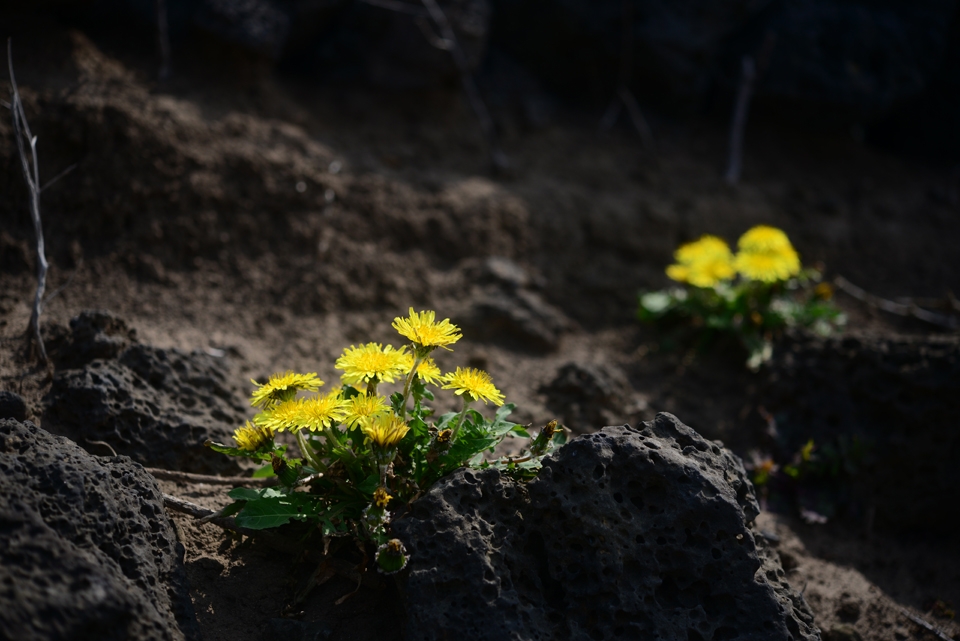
268 224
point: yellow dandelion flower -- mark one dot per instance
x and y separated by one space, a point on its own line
320 412
252 437
283 387
285 416
362 408
385 430
765 254
703 263
474 383
423 330
427 370
362 364
381 498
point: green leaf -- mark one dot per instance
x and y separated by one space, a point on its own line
249 494
270 512
264 472
396 402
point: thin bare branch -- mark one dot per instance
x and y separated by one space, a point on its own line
748 74
187 477
163 40
398 7
497 157
900 309
58 177
940 634
624 97
31 174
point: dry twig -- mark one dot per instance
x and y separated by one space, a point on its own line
31 174
188 477
940 634
748 75
750 69
448 42
907 309
624 97
163 39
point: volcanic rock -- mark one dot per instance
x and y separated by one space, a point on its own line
626 533
88 551
12 406
157 406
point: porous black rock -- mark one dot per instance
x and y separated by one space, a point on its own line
625 534
93 334
157 406
12 406
88 551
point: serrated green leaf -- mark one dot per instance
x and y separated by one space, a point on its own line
250 494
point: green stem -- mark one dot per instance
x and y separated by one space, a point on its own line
460 418
417 359
308 452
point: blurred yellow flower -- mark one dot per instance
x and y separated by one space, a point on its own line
252 437
474 384
765 254
427 370
385 430
283 387
362 364
362 408
423 330
703 263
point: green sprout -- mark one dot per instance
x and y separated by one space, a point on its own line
365 456
753 295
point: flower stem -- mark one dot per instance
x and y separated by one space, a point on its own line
460 418
417 359
308 452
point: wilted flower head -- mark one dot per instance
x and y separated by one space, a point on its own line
703 263
765 254
427 334
283 387
473 384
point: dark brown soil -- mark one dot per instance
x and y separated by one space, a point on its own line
279 222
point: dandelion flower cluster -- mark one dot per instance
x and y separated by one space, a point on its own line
473 384
425 332
765 254
385 430
283 387
372 362
703 263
